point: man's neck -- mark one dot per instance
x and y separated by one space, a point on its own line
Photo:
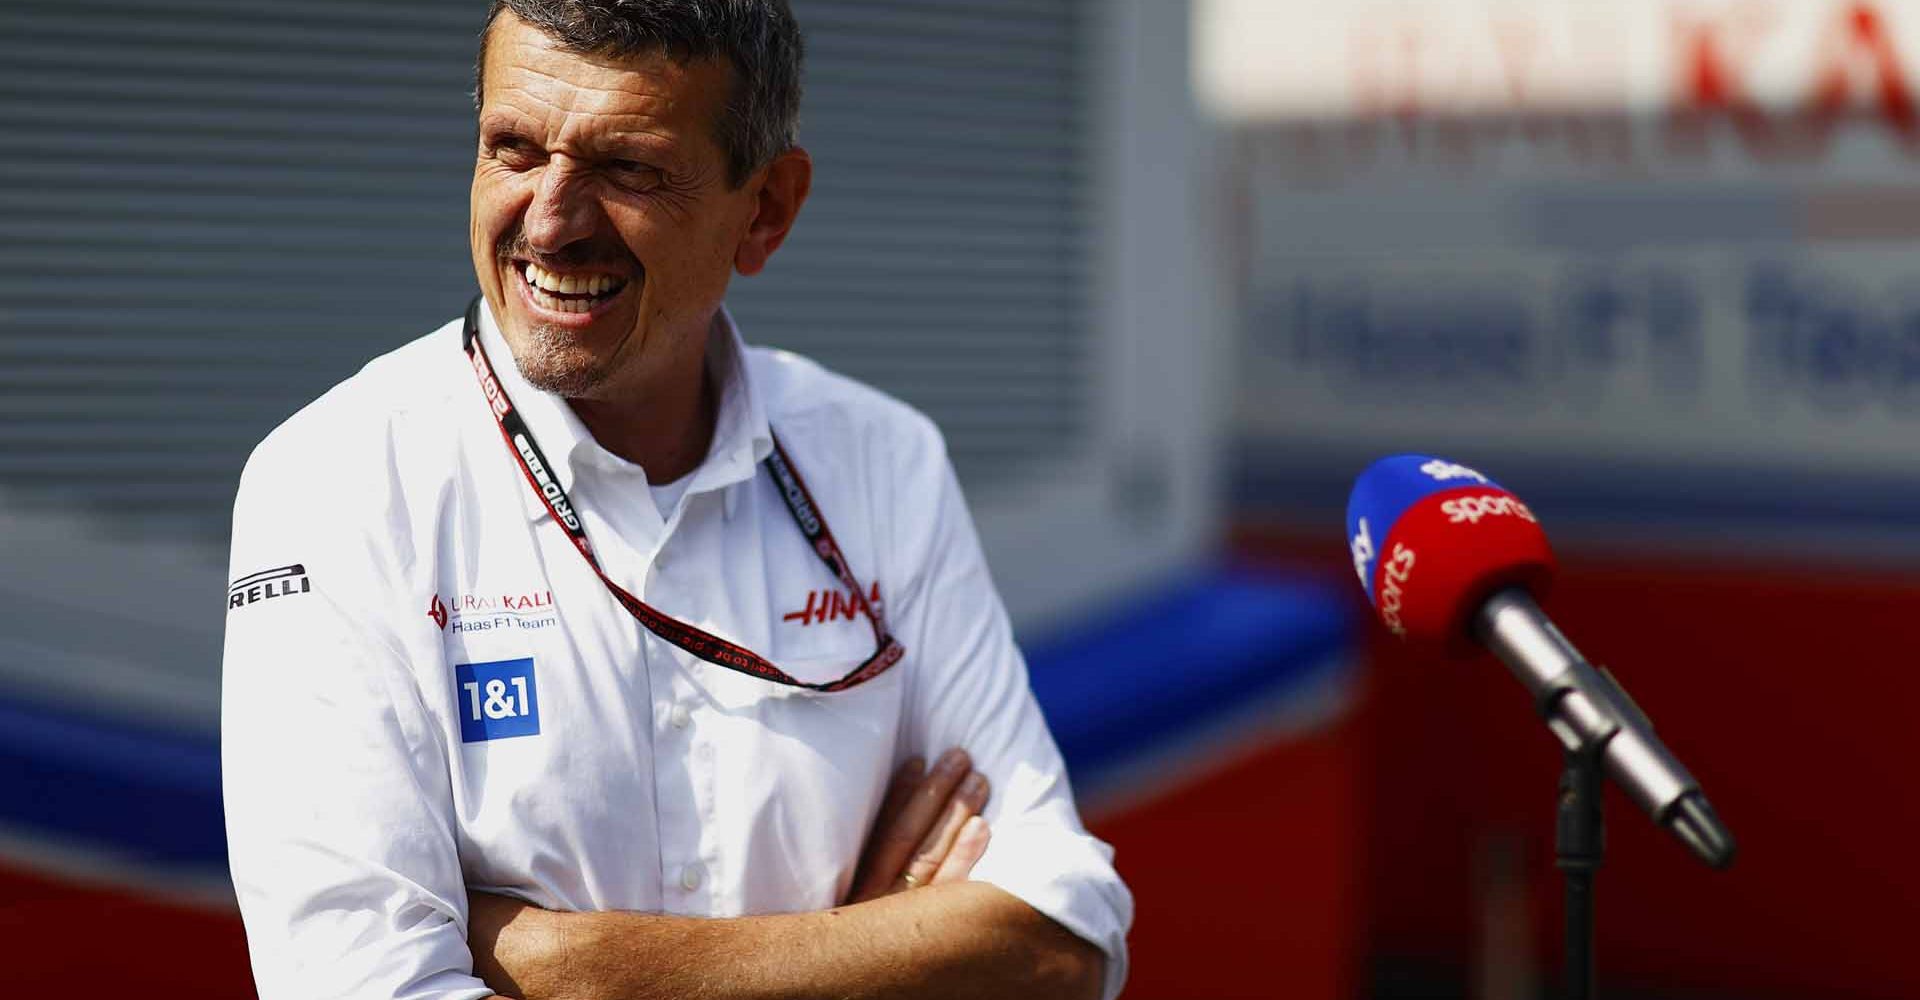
666 432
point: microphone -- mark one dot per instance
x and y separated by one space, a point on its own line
1451 560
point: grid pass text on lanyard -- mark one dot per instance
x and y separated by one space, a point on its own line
533 464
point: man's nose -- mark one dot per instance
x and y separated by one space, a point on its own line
563 211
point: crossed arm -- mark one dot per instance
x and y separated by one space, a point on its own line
949 938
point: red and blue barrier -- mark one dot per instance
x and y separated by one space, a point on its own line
1204 724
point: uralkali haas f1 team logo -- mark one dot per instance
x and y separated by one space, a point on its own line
532 609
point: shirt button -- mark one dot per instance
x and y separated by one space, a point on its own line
691 875
679 717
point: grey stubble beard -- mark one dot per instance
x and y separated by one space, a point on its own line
549 359
551 363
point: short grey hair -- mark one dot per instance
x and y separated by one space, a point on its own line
759 38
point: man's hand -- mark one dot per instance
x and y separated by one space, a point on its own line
929 831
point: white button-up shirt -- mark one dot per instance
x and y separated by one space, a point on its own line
427 689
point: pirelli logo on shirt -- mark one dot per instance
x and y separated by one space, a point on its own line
267 585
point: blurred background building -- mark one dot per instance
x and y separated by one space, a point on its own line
1169 274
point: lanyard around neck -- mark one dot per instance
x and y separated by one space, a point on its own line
711 648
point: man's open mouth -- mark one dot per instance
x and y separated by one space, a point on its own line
568 293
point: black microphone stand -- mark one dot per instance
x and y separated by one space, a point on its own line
1579 842
1598 727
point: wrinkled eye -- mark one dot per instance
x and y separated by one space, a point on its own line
633 174
514 151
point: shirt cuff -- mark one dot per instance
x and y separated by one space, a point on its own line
1070 878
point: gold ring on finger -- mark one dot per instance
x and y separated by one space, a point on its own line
912 882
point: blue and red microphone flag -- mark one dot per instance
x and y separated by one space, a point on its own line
1432 538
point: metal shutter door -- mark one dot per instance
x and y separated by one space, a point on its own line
943 253
211 210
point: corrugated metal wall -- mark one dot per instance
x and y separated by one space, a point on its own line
943 252
211 210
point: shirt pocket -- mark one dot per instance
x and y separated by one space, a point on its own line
849 736
808 770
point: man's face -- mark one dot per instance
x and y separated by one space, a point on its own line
603 228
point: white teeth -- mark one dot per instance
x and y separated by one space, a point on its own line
540 277
547 286
547 301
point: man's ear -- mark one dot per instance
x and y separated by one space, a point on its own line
782 191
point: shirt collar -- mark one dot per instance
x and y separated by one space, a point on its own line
742 437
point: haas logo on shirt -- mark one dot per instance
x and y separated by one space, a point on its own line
831 605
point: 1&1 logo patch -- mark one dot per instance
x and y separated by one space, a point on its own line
498 700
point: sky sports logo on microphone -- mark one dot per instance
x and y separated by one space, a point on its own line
1472 509
1362 547
1394 574
1445 471
1394 577
1388 489
1462 529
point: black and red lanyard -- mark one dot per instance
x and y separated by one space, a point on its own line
711 648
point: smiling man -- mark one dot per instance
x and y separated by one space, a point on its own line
539 719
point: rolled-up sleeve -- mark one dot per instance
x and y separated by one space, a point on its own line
970 690
338 803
